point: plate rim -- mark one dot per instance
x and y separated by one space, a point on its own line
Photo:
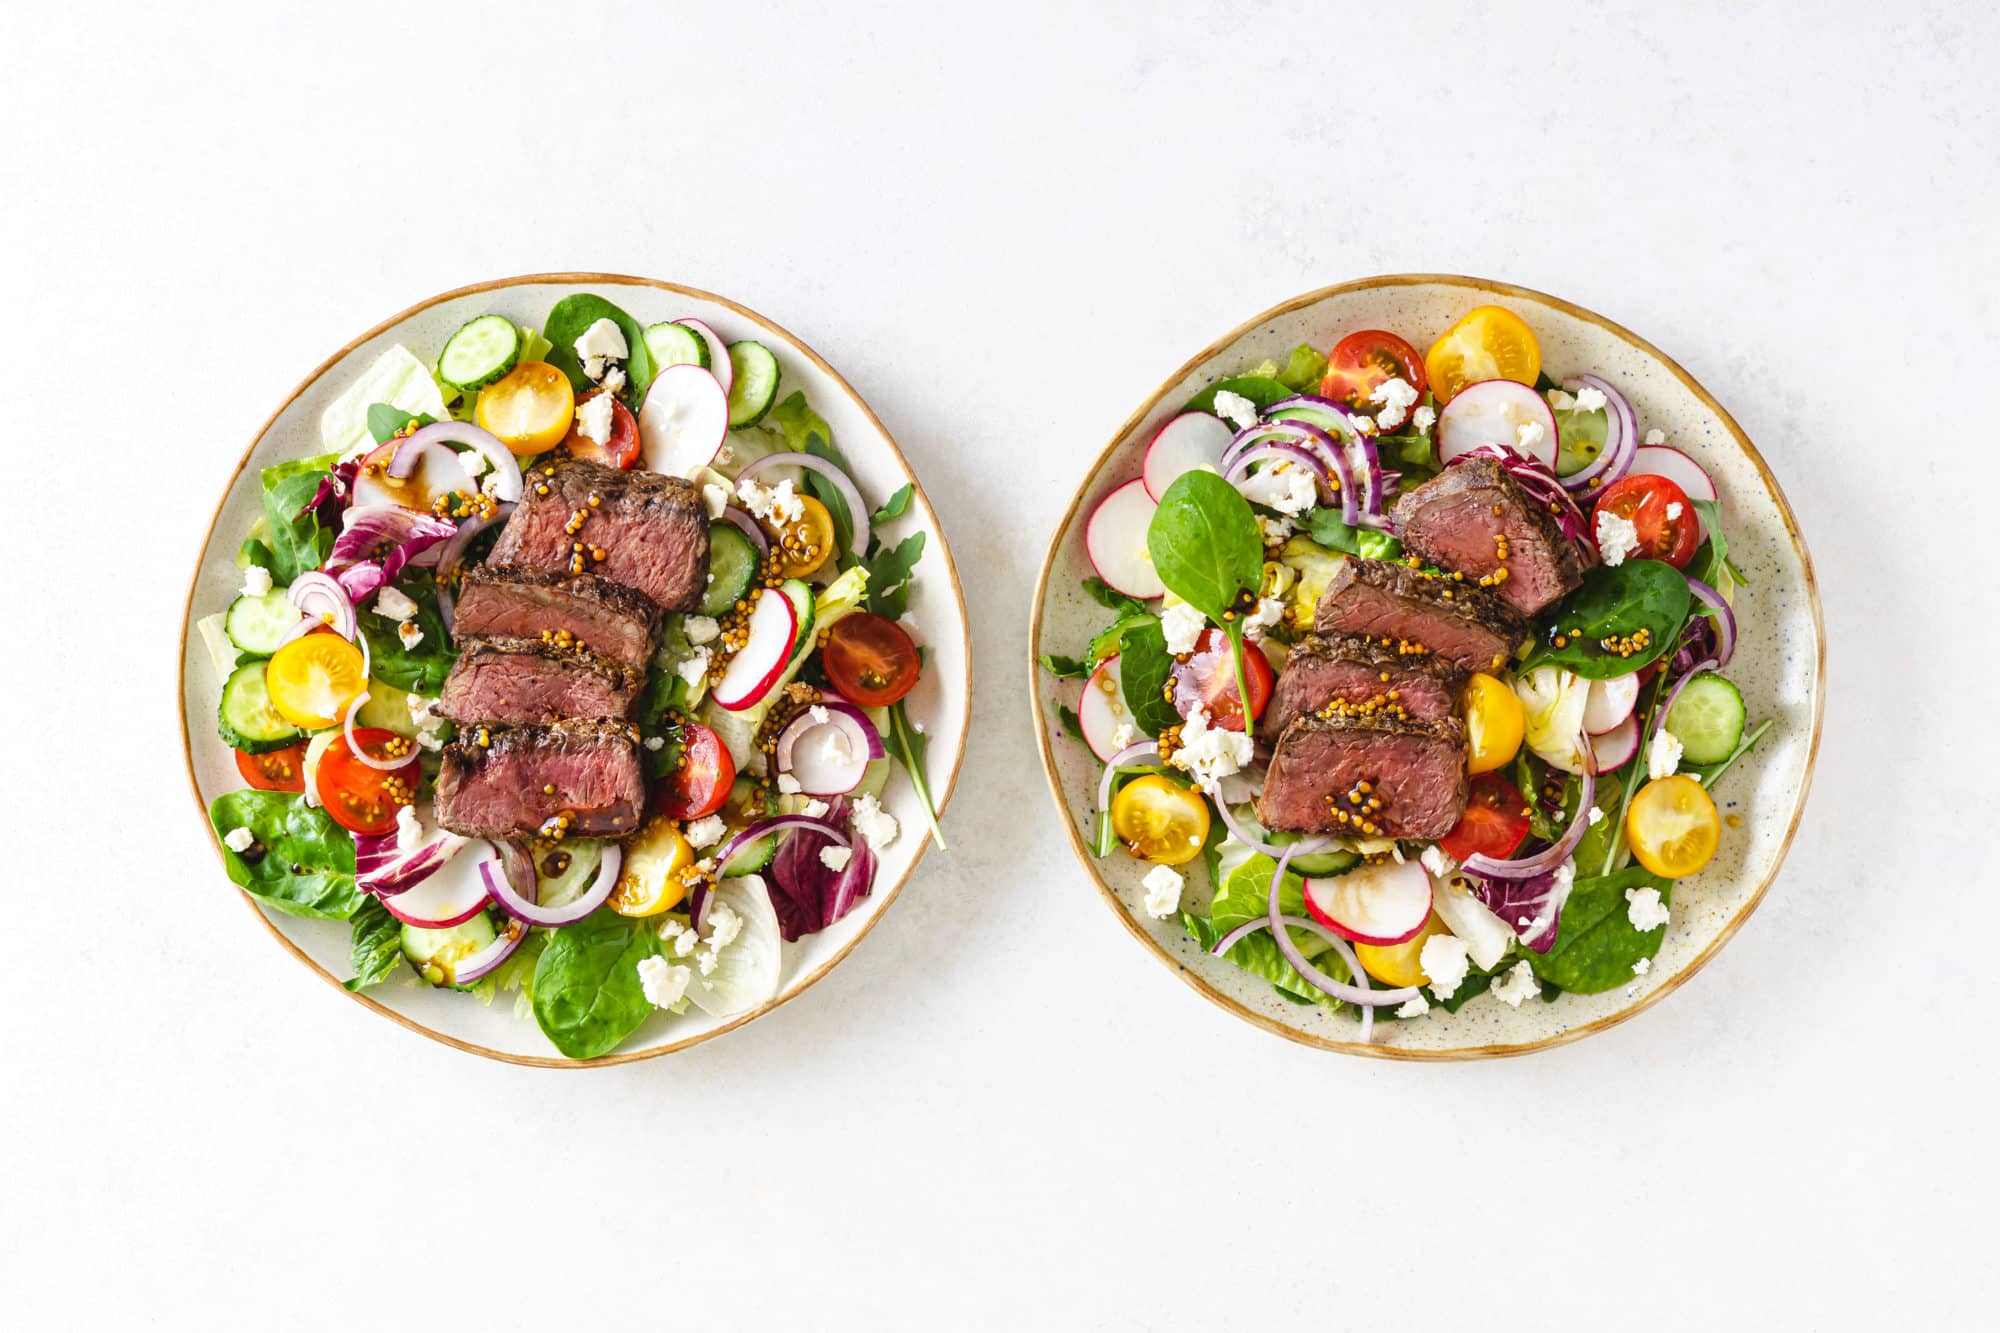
1046 751
576 279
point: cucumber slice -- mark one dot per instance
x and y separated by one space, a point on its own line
436 954
755 386
732 568
676 345
1336 861
480 352
800 595
1312 416
1707 718
258 625
246 719
749 860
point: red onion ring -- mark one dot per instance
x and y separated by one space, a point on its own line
1332 453
503 892
857 512
1527 867
1239 472
1621 441
454 547
750 528
1305 847
778 825
1339 990
1112 765
498 456
1724 618
347 731
322 601
1375 482
478 965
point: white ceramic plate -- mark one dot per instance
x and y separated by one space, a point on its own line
941 700
1778 664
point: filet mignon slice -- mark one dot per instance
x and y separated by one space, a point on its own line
1419 614
1359 670
1474 518
524 777
517 602
651 529
1414 771
512 681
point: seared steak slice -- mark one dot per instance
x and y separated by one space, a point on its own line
1414 771
512 681
1357 671
1474 518
523 778
516 602
651 529
1419 614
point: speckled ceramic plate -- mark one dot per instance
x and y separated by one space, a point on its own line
941 701
1778 663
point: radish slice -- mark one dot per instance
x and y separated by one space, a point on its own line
1495 412
433 471
1610 702
1615 748
718 354
1659 460
1385 903
1116 540
757 666
683 420
828 758
452 894
1191 441
1102 710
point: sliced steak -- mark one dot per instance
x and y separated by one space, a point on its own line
1413 613
652 530
1414 771
1474 518
512 681
524 777
1359 671
516 602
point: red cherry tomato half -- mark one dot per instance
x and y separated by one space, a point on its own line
1495 822
701 784
1668 526
1208 678
363 799
621 450
1361 362
280 770
870 659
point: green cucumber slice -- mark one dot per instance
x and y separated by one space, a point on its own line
245 717
800 594
258 625
732 568
752 858
436 954
1707 719
755 386
676 345
480 352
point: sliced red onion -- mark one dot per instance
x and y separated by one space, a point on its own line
1552 856
1240 470
698 906
476 966
1276 921
516 904
454 550
384 869
830 778
1724 619
379 765
1374 482
778 825
498 456
856 511
750 528
1117 761
1236 830
322 601
1331 453
1621 440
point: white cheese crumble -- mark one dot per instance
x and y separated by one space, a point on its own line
599 345
1436 861
391 602
1123 736
239 838
1596 815
789 785
1560 400
1516 984
1589 399
1414 1007
815 808
694 669
1235 408
716 495
723 926
1444 961
1275 529
473 462
1656 437
430 726
1423 419
835 858
613 381
656 743
1397 396
593 419
1530 434
1182 625
1210 754
409 634
1642 967
1644 909
778 503
874 823
662 982
1675 509
705 832
256 581
700 629
1663 755
1616 537
408 830
1163 891
1270 610
819 715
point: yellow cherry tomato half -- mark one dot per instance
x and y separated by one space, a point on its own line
650 882
313 679
1489 343
1494 723
806 543
530 407
1672 826
1160 821
1397 964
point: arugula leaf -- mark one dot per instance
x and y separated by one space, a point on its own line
301 862
889 576
1072 725
1108 640
587 996
386 419
419 670
1711 563
1145 666
298 542
1596 945
1263 390
377 947
1615 600
893 507
570 317
1109 597
909 746
1064 668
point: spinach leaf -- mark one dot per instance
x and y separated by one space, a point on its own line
385 419
378 944
254 552
297 541
1206 545
1378 545
1595 944
806 431
567 321
1108 641
1064 668
1071 724
1615 601
301 862
1262 390
1107 596
893 507
908 747
1303 369
586 988
1145 666
421 669
1325 526
889 576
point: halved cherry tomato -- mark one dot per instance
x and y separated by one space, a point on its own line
806 542
1361 362
1495 821
1399 964
1159 820
650 880
1208 678
313 679
362 799
280 770
620 450
1489 343
1673 826
530 407
701 784
1494 723
1668 526
870 659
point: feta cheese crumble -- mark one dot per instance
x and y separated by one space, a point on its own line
409 634
1596 815
819 715
778 503
874 823
656 743
1590 400
1644 909
700 629
1642 967
239 838
723 926
1530 434
1163 891
430 727
1616 537
1663 755
1275 529
256 581
599 345
814 808
1436 861
1414 1007
408 830
1423 419
1656 437
613 381
593 419
663 982
1210 754
1675 509
835 858
1270 610
789 785
1235 408
1123 737
1182 625
1516 984
694 669
1445 962
716 496
391 602
705 832
1396 396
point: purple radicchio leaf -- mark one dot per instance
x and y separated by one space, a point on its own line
376 542
809 896
1532 907
334 489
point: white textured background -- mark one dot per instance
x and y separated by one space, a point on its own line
1005 226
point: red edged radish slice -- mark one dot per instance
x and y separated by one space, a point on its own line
1615 748
718 353
452 894
436 472
774 627
1102 710
828 758
1116 540
1610 702
683 420
1497 412
1659 460
1385 903
1190 441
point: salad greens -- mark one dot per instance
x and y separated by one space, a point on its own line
301 862
1205 546
1596 944
587 991
1616 602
